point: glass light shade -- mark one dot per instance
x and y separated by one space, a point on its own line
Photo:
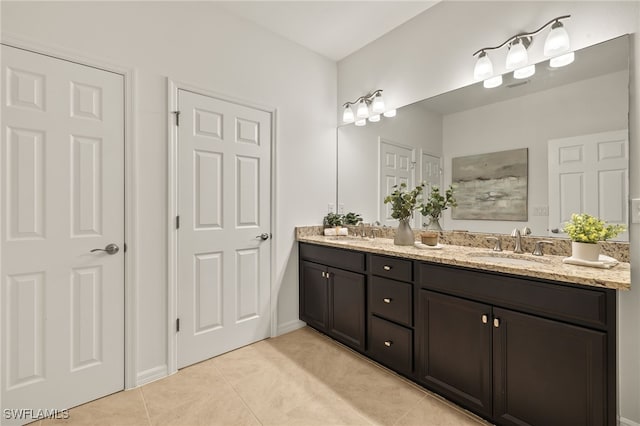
557 41
378 103
390 113
517 56
492 82
483 68
347 115
362 110
374 118
524 72
361 123
562 60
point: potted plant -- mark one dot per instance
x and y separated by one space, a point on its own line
435 205
403 203
333 220
585 231
352 218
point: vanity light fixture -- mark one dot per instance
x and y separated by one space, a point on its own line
368 106
557 46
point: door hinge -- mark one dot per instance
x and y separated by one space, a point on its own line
177 324
177 113
177 222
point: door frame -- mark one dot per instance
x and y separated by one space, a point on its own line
130 188
173 85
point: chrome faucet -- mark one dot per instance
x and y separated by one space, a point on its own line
518 248
498 246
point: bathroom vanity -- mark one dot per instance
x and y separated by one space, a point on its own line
528 340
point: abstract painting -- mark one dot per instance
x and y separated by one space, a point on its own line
491 186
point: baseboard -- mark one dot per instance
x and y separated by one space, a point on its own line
290 326
151 375
626 422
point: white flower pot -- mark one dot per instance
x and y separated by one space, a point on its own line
585 251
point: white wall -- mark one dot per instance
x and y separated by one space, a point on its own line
431 54
517 124
358 154
201 44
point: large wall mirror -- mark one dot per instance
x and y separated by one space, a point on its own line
571 120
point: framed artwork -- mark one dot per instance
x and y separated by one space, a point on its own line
491 186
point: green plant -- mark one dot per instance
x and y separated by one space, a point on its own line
333 219
437 203
352 218
403 202
584 228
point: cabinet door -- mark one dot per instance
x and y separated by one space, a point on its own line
314 294
347 307
455 349
547 372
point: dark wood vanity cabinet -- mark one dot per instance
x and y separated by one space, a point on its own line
492 344
332 300
515 350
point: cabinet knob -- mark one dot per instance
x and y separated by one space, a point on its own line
485 319
388 343
496 322
387 300
386 267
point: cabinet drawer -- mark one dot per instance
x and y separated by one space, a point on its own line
345 259
549 299
392 300
391 345
390 267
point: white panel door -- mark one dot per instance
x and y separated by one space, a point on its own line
431 175
224 201
62 196
397 165
588 174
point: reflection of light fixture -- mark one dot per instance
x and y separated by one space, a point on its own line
370 105
492 82
556 45
562 60
525 72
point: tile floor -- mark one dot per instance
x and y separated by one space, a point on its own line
300 378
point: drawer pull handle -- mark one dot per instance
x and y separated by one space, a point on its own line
387 300
485 319
323 275
386 267
388 343
496 322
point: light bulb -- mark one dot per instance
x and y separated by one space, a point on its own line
378 103
347 115
557 41
390 113
361 123
374 118
492 82
483 68
362 110
524 72
517 56
562 60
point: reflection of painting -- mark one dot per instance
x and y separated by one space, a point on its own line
491 186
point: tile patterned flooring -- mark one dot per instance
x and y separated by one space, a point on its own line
300 378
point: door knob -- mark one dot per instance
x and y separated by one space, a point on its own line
110 249
264 236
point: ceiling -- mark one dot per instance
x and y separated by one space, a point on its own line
334 29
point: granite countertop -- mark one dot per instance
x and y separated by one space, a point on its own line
546 267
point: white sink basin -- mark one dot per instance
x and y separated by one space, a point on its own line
507 259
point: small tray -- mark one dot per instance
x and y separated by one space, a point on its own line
421 246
